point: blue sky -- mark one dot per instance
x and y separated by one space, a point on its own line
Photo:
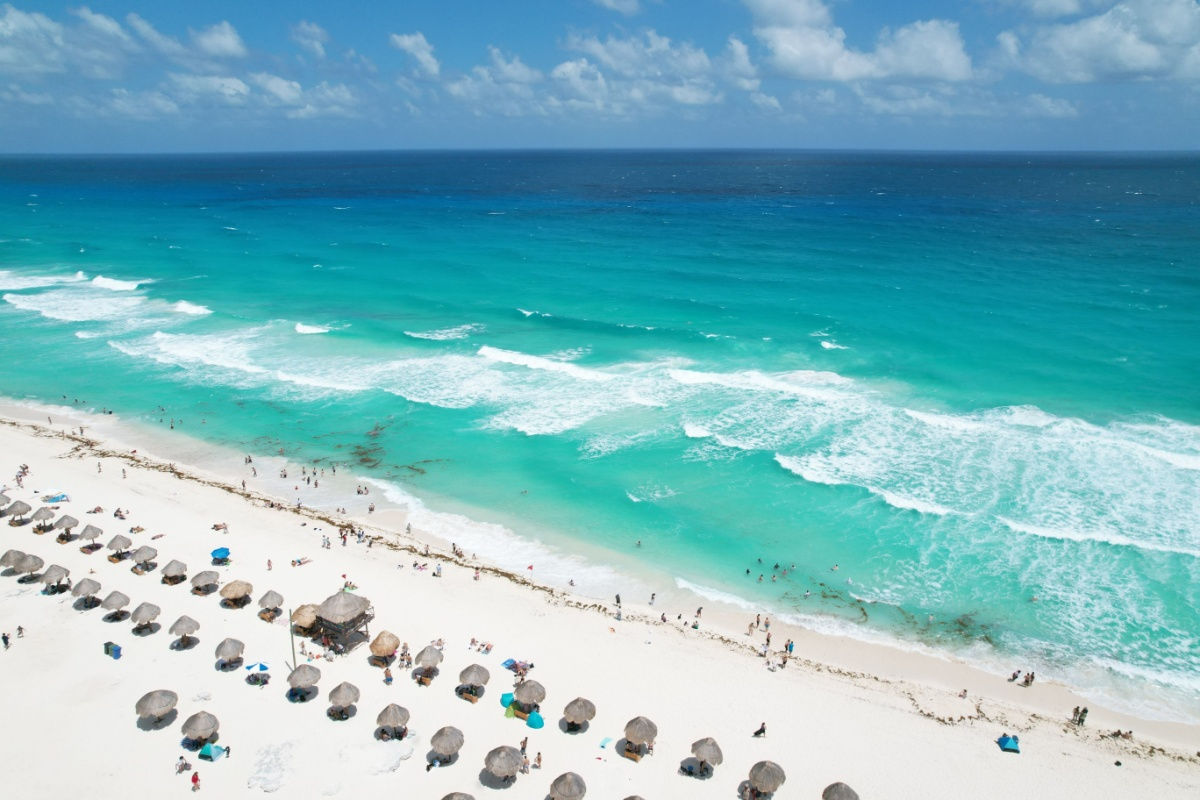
926 74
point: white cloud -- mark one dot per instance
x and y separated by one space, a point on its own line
140 105
311 37
99 46
1039 105
583 86
1135 39
804 43
765 101
417 46
163 44
506 87
106 26
220 41
650 70
738 69
281 89
30 43
15 94
327 100
194 88
626 7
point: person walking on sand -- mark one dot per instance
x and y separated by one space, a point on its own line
761 732
524 742
1075 715
4 637
195 781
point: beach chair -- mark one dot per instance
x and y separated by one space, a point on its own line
631 753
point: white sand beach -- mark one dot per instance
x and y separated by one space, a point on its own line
888 723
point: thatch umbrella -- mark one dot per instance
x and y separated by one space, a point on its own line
144 555
29 564
156 704
429 657
305 616
3 502
474 675
86 588
459 796
504 761
90 532
342 607
529 693
304 676
18 509
206 578
174 569
200 725
568 786
42 514
145 613
271 601
236 590
766 776
392 716
343 695
115 601
55 574
184 627
10 558
66 522
640 730
446 741
119 543
839 791
579 711
229 650
385 645
708 751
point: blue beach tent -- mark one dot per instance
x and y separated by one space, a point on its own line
221 552
1009 744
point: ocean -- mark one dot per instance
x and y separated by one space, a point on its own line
967 380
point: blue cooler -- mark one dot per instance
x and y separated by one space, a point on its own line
115 651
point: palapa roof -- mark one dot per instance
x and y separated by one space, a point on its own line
459 796
90 532
29 564
175 569
393 716
568 786
206 578
144 554
55 574
235 590
529 693
579 710
271 599
11 557
86 588
66 522
344 694
839 791
474 675
115 600
385 644
200 725
156 703
304 676
229 649
43 513
708 750
120 542
342 607
503 761
18 509
767 776
429 657
640 730
305 615
184 626
145 613
4 500
446 741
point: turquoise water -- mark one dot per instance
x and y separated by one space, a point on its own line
967 380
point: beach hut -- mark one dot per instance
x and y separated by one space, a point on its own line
119 545
529 694
383 648
17 511
184 627
142 559
341 699
115 602
11 558
144 615
427 661
504 762
839 791
53 576
394 719
471 682
578 713
90 534
446 742
200 726
568 786
174 572
269 605
204 582
345 616
87 589
766 777
304 618
156 704
639 732
236 594
28 565
229 653
42 517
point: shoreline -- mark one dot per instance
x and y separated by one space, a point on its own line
858 658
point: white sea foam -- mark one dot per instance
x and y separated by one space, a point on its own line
650 494
717 595
694 431
193 309
541 363
534 313
1096 537
910 503
830 344
114 285
70 305
805 383
310 329
445 334
13 281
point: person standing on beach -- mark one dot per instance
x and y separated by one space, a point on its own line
524 742
195 781
4 636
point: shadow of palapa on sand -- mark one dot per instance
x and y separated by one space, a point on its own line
491 781
158 723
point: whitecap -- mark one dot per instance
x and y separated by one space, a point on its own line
717 595
192 309
446 334
830 344
310 329
910 503
114 285
1097 537
538 362
13 281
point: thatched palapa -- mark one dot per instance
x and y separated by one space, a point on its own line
446 741
86 588
119 543
55 574
201 725
115 601
229 650
459 796
579 711
174 569
640 730
839 791
270 601
429 657
144 555
305 616
568 786
145 613
766 776
392 716
708 751
29 564
90 532
11 558
204 579
304 676
234 591
66 523
42 514
184 627
343 695
385 644
156 704
504 761
18 509
474 675
529 693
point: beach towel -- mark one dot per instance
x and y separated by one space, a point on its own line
509 663
606 741
58 498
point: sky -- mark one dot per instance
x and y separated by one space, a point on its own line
270 75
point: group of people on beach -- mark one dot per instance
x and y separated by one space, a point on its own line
1027 680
